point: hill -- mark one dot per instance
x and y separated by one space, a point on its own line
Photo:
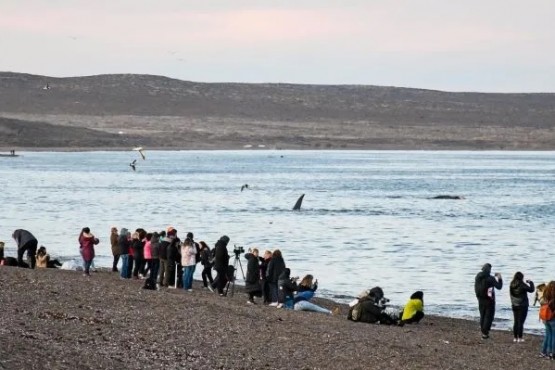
165 112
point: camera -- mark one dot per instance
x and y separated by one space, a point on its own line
382 302
238 249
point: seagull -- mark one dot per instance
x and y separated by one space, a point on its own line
47 87
246 186
140 150
132 164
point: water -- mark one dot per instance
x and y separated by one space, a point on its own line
366 220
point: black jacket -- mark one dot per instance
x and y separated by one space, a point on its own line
138 249
22 237
205 254
163 249
221 256
252 281
123 242
519 293
484 283
275 269
173 252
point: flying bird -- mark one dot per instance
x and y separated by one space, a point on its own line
46 87
141 151
246 186
132 164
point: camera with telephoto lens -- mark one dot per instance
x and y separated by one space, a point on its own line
238 249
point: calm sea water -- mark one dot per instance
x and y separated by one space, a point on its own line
367 218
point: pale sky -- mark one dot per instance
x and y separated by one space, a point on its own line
455 45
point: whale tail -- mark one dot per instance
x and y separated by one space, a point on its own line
297 206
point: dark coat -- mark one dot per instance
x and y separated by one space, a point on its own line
123 242
163 249
138 249
154 247
221 256
205 255
519 293
484 283
22 237
275 269
252 281
173 252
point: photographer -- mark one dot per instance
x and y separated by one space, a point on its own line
221 261
252 281
205 257
370 307
287 288
484 287
307 288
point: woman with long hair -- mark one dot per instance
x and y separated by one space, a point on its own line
306 289
188 261
205 260
518 291
114 241
87 241
548 348
275 268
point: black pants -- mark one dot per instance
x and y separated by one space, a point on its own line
487 312
419 315
139 264
31 248
115 264
170 273
221 280
207 275
266 291
519 314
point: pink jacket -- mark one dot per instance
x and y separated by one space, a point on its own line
148 250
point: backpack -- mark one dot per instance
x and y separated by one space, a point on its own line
546 314
355 312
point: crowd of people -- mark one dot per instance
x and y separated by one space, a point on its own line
163 260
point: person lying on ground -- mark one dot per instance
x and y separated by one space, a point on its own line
307 288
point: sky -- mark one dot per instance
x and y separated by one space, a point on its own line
453 45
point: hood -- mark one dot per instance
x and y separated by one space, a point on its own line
487 268
285 275
482 275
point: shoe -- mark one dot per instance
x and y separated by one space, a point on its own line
543 355
273 304
279 305
189 290
485 336
516 340
520 340
336 311
210 288
250 302
221 294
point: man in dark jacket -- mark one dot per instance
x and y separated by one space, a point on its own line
124 243
484 287
221 261
252 281
26 242
174 260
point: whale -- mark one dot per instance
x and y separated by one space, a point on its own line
455 197
297 206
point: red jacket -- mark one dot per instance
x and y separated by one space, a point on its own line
87 247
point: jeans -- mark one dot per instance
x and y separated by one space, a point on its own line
188 272
309 306
87 266
519 314
124 265
487 312
129 271
549 338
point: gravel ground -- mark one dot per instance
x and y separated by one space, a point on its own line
53 319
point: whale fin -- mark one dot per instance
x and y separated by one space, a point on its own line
297 206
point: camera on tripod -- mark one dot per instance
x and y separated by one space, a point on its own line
238 249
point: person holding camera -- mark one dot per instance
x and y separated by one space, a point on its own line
87 241
518 291
205 260
275 268
484 287
287 288
307 288
252 281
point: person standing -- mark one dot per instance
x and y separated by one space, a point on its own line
275 268
114 241
26 242
263 281
123 243
518 291
484 287
155 260
138 253
221 261
188 261
252 281
547 315
205 260
87 241
163 256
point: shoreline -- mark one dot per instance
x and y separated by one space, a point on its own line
71 321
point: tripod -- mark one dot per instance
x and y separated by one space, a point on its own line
231 279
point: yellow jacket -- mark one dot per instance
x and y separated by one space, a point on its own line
411 308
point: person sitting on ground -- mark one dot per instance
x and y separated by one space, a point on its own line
252 281
370 307
205 260
42 257
26 242
276 266
413 311
287 288
307 288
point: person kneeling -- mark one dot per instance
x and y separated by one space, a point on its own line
414 309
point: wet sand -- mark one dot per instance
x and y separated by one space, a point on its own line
54 319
